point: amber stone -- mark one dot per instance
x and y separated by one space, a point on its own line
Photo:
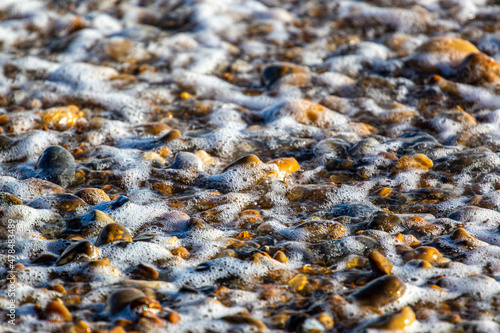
113 232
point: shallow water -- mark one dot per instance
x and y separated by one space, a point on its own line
307 166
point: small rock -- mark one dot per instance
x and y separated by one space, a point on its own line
185 160
61 118
56 165
57 311
379 264
92 196
398 321
381 291
442 53
111 233
82 251
479 69
284 72
385 221
427 253
120 299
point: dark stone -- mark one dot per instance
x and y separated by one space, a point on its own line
56 165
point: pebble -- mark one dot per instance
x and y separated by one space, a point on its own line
398 321
6 199
246 320
56 311
320 231
385 221
284 73
113 232
92 196
61 202
379 263
185 160
354 209
61 118
415 162
56 165
479 69
144 272
380 292
442 53
118 300
81 251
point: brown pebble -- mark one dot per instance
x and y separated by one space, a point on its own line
398 321
153 128
83 250
298 282
428 253
171 136
414 162
326 320
92 196
250 161
181 252
173 317
7 199
59 289
113 232
57 311
479 69
144 272
279 320
381 291
243 319
80 327
121 298
442 51
380 264
281 257
288 165
61 118
295 75
118 329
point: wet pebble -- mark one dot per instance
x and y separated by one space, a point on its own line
379 263
78 252
92 196
118 300
56 165
398 321
111 233
287 73
185 160
381 291
442 53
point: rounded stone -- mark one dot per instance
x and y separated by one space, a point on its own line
120 299
186 161
81 251
381 291
385 221
113 232
56 165
92 196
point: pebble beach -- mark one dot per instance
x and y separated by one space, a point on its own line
249 166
